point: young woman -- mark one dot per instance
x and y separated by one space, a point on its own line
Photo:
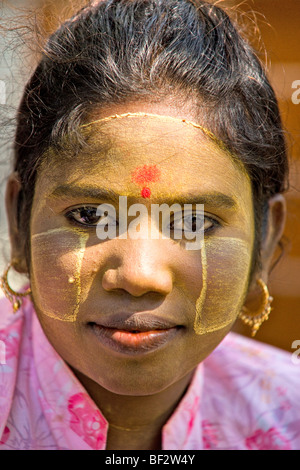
115 342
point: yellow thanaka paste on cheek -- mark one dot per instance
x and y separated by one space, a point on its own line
225 272
80 255
201 300
57 256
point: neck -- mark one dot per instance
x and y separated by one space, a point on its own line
135 422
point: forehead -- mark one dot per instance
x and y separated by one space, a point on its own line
183 156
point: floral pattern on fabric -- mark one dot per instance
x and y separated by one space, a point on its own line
86 421
267 440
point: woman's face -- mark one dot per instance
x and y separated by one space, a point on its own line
136 314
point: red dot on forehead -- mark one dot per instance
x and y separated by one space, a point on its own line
146 192
145 174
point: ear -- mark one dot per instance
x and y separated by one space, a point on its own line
17 240
273 233
274 230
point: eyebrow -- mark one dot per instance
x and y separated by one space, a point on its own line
108 195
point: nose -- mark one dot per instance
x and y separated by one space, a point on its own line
142 267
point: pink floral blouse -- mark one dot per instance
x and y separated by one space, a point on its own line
245 395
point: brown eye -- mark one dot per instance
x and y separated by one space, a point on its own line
86 215
193 223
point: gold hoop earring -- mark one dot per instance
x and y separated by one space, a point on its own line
14 297
255 320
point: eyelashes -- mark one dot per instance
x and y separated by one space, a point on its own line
89 217
84 216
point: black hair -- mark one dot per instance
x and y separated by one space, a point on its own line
116 51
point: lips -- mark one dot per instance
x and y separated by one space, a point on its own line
134 333
136 321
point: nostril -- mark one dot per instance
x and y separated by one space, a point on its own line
138 281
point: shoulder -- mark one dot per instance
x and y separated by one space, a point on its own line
254 355
11 330
13 326
252 395
7 317
238 358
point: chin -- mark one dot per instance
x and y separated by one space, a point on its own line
132 381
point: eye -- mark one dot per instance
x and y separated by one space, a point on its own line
193 222
86 215
197 223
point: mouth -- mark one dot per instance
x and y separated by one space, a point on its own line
137 334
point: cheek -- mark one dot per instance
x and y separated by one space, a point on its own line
225 273
57 257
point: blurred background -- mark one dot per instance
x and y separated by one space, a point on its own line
273 26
